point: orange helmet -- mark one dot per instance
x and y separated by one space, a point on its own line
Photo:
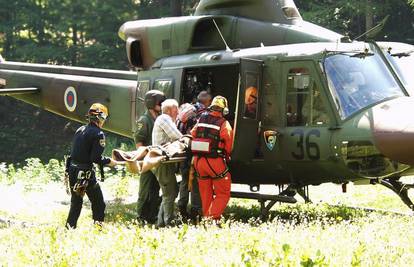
250 95
98 111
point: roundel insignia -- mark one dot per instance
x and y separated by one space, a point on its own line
70 99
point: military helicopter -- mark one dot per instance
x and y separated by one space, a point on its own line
327 110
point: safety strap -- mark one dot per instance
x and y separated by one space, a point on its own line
208 125
217 176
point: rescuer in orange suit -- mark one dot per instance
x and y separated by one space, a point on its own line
211 146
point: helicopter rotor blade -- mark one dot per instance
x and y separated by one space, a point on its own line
19 91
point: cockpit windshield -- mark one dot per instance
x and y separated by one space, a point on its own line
357 80
403 64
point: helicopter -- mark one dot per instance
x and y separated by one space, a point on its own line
327 110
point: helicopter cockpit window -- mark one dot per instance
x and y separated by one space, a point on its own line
359 80
250 97
165 86
403 63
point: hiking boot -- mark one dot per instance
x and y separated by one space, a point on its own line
195 215
183 213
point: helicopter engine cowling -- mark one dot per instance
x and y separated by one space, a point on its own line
239 24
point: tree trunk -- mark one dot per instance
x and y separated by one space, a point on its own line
369 16
75 44
9 36
176 8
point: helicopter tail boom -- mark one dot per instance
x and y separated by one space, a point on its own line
71 93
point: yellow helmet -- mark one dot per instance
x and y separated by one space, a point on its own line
98 111
221 103
250 95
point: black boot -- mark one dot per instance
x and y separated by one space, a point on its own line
184 213
195 215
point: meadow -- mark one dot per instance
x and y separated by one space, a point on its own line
328 232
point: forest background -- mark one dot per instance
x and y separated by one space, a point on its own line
85 33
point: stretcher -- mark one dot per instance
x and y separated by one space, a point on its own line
147 157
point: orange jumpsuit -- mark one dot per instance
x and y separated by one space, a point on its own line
214 192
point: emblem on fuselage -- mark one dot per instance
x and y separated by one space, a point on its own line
270 138
70 99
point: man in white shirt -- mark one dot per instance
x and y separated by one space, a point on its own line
166 131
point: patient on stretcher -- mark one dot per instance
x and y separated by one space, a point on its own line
147 157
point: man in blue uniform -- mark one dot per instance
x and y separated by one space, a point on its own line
148 196
87 148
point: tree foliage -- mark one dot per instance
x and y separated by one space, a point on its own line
84 33
354 17
75 32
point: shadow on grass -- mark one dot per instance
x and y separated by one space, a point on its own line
117 211
297 213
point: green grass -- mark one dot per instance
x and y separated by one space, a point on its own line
32 232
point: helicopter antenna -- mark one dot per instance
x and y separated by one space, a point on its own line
221 35
374 30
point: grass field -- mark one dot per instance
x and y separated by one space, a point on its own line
34 206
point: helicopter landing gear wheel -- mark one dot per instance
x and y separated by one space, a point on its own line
400 188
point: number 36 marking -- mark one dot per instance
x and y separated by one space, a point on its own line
305 145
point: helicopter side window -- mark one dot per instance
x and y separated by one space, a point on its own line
250 96
298 82
314 110
165 86
304 103
142 89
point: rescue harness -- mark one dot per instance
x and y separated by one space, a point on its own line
207 138
216 175
85 172
206 143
